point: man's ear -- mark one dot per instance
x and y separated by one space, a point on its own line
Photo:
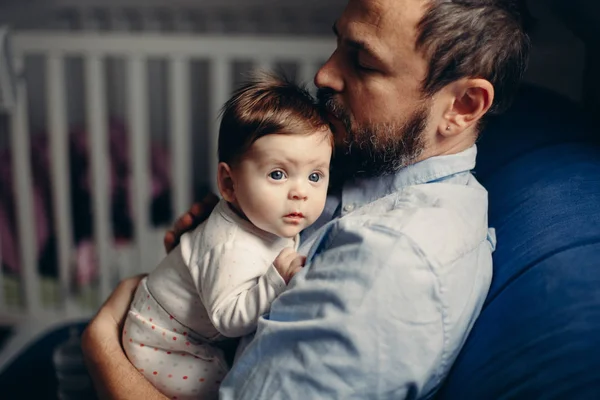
471 100
226 182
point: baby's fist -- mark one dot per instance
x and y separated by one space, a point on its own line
288 263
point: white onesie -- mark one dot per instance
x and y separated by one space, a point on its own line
214 285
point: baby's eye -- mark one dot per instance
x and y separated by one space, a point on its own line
314 177
277 175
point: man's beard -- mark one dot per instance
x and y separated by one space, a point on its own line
376 149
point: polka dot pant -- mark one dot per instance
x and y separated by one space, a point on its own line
167 354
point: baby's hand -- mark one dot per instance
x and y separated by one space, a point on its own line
288 263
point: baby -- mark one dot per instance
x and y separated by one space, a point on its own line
274 153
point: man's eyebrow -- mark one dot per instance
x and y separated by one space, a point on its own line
358 45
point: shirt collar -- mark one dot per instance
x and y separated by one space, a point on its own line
358 192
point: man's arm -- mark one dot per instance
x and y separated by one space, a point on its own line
362 320
113 375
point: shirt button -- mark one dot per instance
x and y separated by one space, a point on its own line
349 207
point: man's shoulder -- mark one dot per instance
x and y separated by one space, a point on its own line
441 223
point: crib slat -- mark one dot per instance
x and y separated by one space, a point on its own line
179 70
99 153
22 177
220 89
137 101
60 168
117 79
153 44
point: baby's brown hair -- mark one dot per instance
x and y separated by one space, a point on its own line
266 104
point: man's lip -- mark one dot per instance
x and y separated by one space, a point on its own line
335 123
331 116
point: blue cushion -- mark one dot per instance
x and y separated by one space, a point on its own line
539 332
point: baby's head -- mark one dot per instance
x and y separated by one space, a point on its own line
274 153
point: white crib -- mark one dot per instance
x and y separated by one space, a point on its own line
135 49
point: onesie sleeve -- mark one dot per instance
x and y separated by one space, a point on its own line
236 286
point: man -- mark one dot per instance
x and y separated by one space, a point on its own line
400 262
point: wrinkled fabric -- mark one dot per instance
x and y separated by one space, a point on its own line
392 286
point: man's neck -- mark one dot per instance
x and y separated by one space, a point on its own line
444 146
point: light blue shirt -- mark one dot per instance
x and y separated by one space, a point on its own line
397 271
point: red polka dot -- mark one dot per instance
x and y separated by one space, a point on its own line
182 354
201 380
141 344
184 333
155 373
170 317
141 369
187 343
168 352
174 330
124 332
148 296
185 377
153 327
170 376
174 338
155 349
130 340
150 319
148 307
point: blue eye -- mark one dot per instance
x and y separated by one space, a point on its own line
314 177
277 175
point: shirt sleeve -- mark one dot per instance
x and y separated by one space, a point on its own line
362 320
237 286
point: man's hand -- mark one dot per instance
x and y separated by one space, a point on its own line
190 220
113 375
288 263
105 328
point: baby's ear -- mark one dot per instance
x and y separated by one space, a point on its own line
225 182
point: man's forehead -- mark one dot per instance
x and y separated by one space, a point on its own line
385 14
367 11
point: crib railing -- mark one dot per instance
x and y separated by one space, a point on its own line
94 48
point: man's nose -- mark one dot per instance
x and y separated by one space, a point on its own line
329 75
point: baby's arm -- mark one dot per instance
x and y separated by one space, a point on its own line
235 289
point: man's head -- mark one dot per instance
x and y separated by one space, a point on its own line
274 150
412 79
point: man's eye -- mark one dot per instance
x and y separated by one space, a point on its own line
314 177
363 68
358 65
277 175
